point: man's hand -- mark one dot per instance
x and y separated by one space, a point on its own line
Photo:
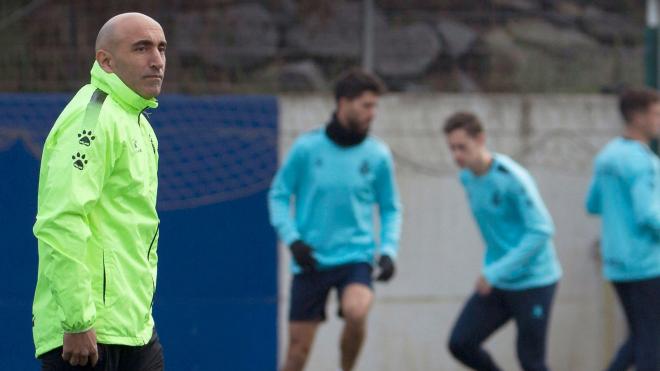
387 268
483 287
80 348
302 254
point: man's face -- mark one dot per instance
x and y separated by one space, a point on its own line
138 58
650 121
359 111
465 150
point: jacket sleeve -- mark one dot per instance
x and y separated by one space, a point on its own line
284 186
539 229
593 200
389 205
645 194
76 161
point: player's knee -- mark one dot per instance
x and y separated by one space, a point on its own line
459 346
532 362
532 365
299 349
355 315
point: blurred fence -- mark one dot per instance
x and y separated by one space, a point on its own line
243 46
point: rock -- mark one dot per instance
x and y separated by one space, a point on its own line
503 60
520 5
466 83
188 32
535 67
406 50
337 35
240 35
457 37
610 27
569 9
544 35
247 34
302 76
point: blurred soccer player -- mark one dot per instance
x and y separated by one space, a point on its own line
337 175
625 192
520 270
97 224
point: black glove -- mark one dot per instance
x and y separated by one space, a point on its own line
387 268
302 254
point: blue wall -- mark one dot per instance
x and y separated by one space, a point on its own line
216 301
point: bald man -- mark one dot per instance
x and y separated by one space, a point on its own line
97 226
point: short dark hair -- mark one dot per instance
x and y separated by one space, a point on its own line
636 101
466 121
352 83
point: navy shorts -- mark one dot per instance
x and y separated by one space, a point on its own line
309 291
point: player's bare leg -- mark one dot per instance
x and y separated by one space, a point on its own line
301 338
355 303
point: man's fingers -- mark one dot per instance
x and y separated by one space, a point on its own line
94 357
83 359
66 355
74 361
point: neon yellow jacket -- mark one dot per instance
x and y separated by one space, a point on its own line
97 225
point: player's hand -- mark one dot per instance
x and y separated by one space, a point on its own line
302 254
80 349
387 268
483 287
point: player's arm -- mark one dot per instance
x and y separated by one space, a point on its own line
75 169
284 186
593 200
538 230
389 205
645 194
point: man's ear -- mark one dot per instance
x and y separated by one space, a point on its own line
104 58
481 138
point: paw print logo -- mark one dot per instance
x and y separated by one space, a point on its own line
79 161
85 138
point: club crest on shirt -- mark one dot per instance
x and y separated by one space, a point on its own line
497 198
364 168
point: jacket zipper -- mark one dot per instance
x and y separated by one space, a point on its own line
153 239
153 284
104 277
153 147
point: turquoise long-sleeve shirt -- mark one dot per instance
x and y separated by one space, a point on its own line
336 190
625 192
515 225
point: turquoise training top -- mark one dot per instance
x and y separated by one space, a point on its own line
336 190
514 224
625 192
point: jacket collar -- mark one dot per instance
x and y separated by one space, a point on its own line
111 84
342 136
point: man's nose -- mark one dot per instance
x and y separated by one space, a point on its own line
157 60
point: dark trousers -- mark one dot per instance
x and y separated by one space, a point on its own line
641 305
112 358
483 315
